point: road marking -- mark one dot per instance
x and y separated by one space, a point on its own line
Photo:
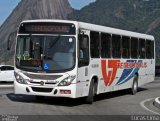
144 107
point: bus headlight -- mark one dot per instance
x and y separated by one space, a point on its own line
20 79
67 81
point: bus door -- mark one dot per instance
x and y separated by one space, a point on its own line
83 62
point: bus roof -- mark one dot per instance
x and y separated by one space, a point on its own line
110 30
99 28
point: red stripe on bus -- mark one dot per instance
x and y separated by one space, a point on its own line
113 64
109 76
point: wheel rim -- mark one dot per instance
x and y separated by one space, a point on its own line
93 91
135 86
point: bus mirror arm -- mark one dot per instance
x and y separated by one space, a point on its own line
81 35
8 43
8 48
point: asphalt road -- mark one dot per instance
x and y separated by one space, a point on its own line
115 103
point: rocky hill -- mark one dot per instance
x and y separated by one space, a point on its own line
26 10
135 15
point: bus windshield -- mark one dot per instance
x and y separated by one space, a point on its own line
45 53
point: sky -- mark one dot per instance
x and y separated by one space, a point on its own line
6 6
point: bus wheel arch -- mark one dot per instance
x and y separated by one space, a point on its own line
95 79
92 90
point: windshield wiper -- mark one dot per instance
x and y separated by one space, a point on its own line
55 41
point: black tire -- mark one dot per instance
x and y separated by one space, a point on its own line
134 88
92 92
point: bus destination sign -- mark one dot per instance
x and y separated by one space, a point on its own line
40 28
47 28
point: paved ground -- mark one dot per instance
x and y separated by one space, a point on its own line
116 103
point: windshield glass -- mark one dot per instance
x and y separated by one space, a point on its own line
45 53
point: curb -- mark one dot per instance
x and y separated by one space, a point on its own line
157 102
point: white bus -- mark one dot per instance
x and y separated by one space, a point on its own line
62 58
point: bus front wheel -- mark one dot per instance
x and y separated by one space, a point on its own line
92 92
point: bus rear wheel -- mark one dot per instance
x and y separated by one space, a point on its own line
134 88
92 92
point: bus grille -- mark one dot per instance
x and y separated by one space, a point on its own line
43 77
45 90
46 83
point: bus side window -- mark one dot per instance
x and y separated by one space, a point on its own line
94 43
106 45
152 49
125 47
142 48
148 49
134 48
83 50
116 46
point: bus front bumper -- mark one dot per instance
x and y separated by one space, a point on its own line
59 91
